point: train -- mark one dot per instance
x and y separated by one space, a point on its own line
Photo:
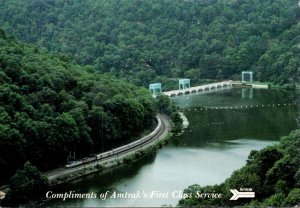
118 150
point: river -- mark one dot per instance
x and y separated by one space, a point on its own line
224 126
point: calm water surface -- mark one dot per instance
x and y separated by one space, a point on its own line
216 143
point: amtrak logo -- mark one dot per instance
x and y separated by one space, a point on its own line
243 193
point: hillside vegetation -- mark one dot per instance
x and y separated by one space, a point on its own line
273 173
138 40
49 107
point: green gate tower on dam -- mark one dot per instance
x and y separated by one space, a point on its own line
184 84
155 88
247 76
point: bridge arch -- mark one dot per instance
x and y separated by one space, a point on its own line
199 88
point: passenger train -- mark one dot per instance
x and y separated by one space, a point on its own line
119 149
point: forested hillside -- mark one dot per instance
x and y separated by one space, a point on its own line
273 173
139 40
49 107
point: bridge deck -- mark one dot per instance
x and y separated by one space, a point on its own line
199 88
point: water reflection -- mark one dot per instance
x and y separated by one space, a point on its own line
233 97
217 142
247 93
218 125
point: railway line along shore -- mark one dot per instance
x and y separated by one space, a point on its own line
114 158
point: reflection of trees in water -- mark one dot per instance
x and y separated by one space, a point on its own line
238 97
266 122
247 93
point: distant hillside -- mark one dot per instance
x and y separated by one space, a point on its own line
49 107
139 39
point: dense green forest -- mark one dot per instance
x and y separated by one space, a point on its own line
49 107
140 40
69 100
273 173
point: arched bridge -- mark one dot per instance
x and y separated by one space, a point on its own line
200 88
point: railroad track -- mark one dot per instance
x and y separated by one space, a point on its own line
115 155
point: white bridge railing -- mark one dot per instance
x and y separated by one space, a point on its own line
200 88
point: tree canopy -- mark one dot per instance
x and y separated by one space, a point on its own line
273 173
50 107
27 183
140 40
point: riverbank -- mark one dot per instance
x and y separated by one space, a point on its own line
264 85
185 122
64 175
257 85
215 144
278 162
